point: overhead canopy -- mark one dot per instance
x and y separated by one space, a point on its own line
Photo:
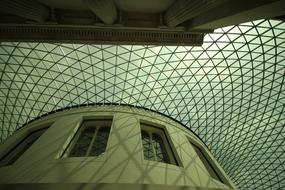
230 91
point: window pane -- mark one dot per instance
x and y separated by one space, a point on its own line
161 154
206 163
83 142
147 146
100 143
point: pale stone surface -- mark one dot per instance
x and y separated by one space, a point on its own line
122 163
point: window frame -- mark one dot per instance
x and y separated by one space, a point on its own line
79 129
210 161
19 148
169 147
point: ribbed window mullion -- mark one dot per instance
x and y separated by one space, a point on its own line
92 141
152 145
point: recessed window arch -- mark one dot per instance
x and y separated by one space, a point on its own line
91 138
22 146
156 146
207 162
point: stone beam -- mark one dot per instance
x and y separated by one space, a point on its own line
28 9
235 12
104 9
97 34
183 10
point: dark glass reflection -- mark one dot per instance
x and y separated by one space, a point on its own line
100 143
147 146
153 147
83 142
161 154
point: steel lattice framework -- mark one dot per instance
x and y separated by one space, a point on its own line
230 91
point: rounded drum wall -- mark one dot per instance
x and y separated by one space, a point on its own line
123 162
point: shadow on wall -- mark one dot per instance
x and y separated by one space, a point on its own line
121 166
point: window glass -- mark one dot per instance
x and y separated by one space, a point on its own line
160 152
100 142
83 142
91 139
147 146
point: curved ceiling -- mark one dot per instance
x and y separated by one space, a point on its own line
230 91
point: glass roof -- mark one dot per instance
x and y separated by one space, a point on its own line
230 91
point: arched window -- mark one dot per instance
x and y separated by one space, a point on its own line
156 146
91 139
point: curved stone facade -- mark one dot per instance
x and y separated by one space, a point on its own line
45 164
